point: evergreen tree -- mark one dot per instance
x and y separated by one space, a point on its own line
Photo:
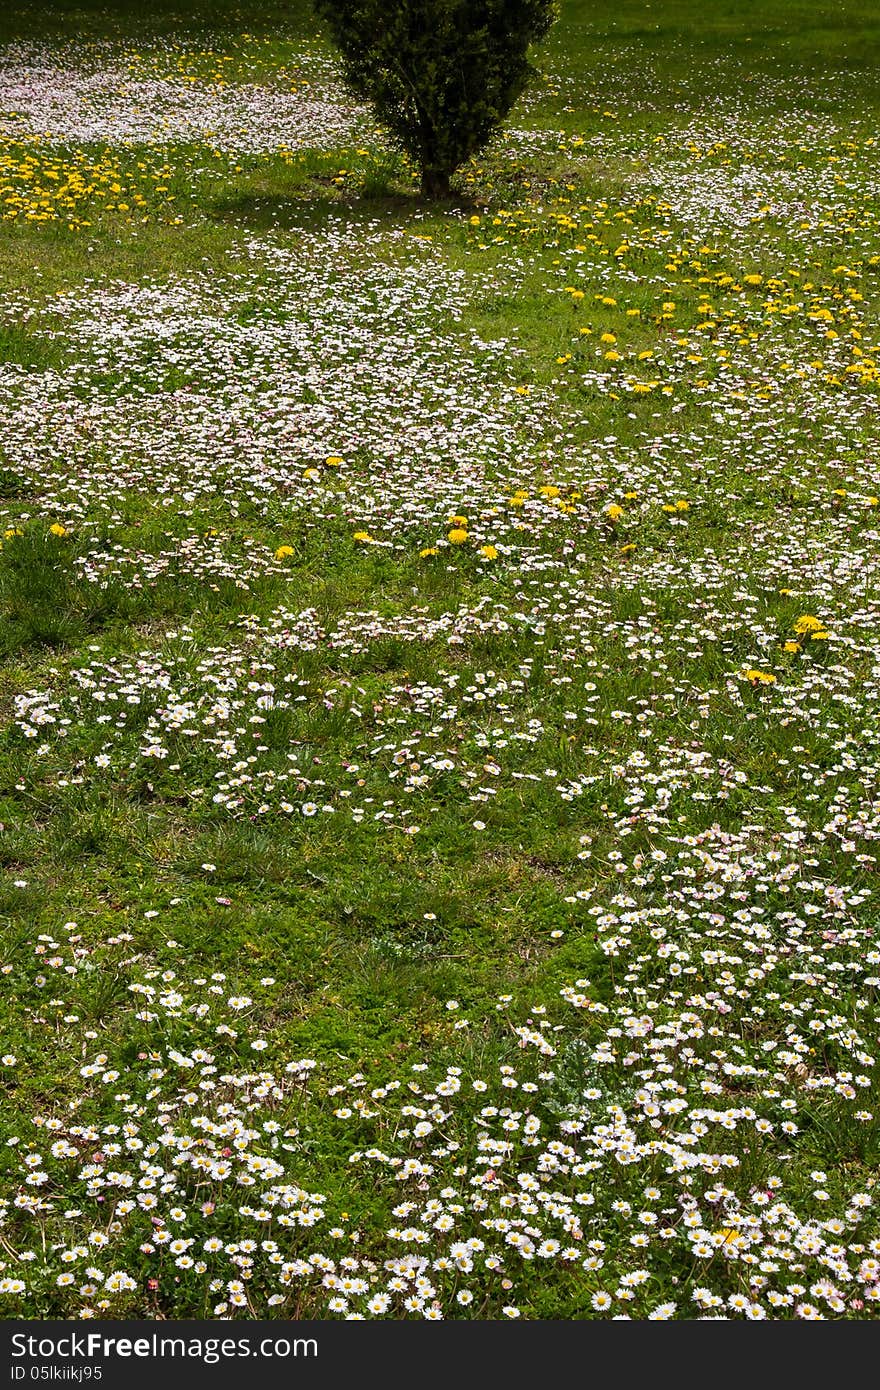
440 74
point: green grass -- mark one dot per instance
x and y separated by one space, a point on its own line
624 641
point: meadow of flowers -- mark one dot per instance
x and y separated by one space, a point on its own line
439 665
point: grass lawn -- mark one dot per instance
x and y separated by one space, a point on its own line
439 664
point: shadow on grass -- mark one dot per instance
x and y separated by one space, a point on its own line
307 207
127 19
46 601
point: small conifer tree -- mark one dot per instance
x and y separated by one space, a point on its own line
441 75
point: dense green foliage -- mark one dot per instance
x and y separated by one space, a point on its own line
440 74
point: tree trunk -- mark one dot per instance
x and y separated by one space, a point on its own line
435 183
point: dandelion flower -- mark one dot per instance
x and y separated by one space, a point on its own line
806 623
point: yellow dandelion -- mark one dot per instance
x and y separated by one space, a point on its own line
283 551
489 552
613 511
457 536
56 529
727 1234
759 677
806 623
